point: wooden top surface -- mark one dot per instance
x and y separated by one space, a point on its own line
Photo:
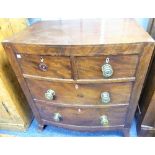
83 32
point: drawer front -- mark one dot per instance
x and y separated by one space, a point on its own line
91 67
45 66
110 116
81 94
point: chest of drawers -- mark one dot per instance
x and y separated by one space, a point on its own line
83 75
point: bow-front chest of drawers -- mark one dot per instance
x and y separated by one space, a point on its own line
84 75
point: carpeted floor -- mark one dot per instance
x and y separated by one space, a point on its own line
52 131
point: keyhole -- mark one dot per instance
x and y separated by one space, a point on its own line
79 110
42 59
76 86
107 60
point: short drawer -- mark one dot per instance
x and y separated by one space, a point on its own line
45 66
80 94
80 116
121 66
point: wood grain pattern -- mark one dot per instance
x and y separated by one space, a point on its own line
146 119
58 67
80 94
13 61
142 68
83 32
86 116
127 45
15 113
86 67
123 66
74 68
86 128
130 79
80 50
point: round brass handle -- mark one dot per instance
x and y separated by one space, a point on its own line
105 97
50 94
57 117
107 70
104 120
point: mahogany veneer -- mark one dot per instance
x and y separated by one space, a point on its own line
82 74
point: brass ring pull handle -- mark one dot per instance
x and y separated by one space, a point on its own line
50 94
105 97
104 120
42 65
57 117
107 69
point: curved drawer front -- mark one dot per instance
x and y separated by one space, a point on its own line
80 94
45 66
91 67
83 116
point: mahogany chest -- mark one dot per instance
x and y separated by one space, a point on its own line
84 74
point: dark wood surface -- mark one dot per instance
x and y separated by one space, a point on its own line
146 119
83 50
83 32
87 67
83 116
90 67
76 76
80 94
142 68
57 67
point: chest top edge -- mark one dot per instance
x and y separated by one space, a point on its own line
83 32
80 50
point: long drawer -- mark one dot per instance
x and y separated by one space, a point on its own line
80 94
80 116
